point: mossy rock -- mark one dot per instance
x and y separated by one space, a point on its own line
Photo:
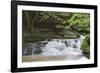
86 47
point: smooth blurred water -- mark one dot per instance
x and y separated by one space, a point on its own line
63 46
56 47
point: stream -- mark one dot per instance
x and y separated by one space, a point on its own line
56 47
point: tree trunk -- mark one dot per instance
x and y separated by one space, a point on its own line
28 19
33 21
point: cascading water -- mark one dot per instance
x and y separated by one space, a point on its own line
63 46
68 47
55 47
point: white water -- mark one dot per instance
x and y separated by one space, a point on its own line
57 47
68 47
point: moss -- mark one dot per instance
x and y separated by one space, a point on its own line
86 47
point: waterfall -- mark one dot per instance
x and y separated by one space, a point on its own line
56 47
69 47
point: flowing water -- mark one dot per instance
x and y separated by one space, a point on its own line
56 47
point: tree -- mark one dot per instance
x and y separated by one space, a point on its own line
80 22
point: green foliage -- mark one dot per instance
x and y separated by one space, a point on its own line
86 47
80 21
